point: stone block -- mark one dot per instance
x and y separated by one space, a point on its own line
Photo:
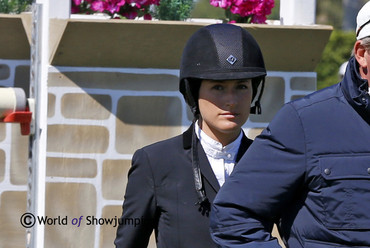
2 131
86 106
115 178
115 81
71 200
71 167
142 120
108 232
77 139
4 71
13 205
19 157
51 105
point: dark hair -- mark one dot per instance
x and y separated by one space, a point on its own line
194 86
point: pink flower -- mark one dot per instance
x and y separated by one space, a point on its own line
140 3
130 15
75 10
77 2
257 10
98 5
221 3
113 6
147 17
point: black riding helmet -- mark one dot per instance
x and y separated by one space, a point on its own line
220 52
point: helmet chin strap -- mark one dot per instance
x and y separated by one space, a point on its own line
203 202
256 109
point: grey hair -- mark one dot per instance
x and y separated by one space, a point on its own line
365 42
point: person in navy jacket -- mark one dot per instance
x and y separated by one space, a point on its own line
171 183
308 171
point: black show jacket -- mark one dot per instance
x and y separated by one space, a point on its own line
161 196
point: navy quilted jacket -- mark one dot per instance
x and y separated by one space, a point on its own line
309 171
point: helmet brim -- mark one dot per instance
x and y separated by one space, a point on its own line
246 73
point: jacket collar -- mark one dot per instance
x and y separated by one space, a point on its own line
355 90
215 149
205 167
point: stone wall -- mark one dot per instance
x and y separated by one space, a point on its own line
97 117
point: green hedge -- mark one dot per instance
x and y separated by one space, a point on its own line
337 51
14 6
173 9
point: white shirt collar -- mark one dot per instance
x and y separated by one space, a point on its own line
214 149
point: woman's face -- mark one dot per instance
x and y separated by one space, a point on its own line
224 107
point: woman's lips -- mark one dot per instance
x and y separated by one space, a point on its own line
229 114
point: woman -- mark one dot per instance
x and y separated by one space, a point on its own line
172 182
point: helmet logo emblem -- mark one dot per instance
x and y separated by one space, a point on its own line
231 59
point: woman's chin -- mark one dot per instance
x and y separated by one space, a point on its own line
230 127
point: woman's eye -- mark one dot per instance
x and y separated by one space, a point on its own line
242 86
218 87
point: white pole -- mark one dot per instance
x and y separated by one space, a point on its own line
59 9
38 91
42 11
297 12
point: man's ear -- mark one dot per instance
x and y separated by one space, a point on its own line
359 52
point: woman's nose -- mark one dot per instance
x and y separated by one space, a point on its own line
231 99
